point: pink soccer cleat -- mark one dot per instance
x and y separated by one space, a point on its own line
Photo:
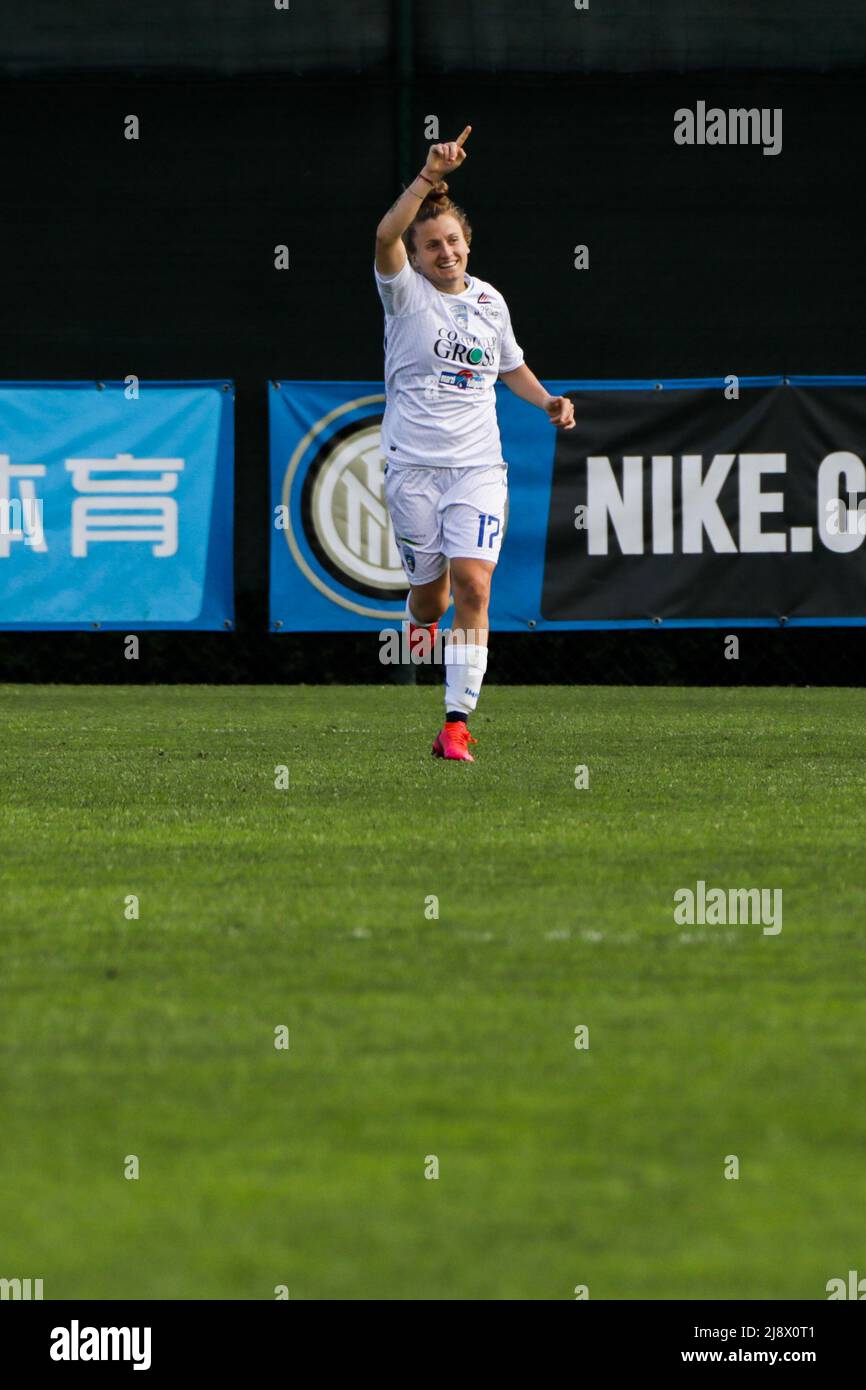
453 742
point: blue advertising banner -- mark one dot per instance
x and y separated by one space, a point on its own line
334 560
116 505
685 503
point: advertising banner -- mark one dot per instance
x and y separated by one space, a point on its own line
116 505
690 503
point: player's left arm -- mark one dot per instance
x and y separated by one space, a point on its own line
526 385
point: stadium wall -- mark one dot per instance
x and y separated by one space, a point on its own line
156 257
315 36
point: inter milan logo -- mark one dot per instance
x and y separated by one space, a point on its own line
344 514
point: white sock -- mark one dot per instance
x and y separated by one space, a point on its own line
464 671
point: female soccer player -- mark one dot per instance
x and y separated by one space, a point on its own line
448 336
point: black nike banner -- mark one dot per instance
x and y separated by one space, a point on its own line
695 503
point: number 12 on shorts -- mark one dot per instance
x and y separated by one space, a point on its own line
483 520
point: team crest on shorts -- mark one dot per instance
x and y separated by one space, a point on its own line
409 557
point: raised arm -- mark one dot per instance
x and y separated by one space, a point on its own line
525 384
441 160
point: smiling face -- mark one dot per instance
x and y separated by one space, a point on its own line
441 253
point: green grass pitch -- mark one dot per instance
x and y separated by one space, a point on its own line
412 1036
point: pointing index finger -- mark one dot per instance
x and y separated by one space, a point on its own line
463 136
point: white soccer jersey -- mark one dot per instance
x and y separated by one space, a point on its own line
443 354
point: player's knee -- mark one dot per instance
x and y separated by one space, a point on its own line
473 590
428 611
428 603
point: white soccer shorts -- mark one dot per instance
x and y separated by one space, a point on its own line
441 514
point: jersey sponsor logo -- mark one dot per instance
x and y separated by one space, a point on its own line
464 380
479 352
491 310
